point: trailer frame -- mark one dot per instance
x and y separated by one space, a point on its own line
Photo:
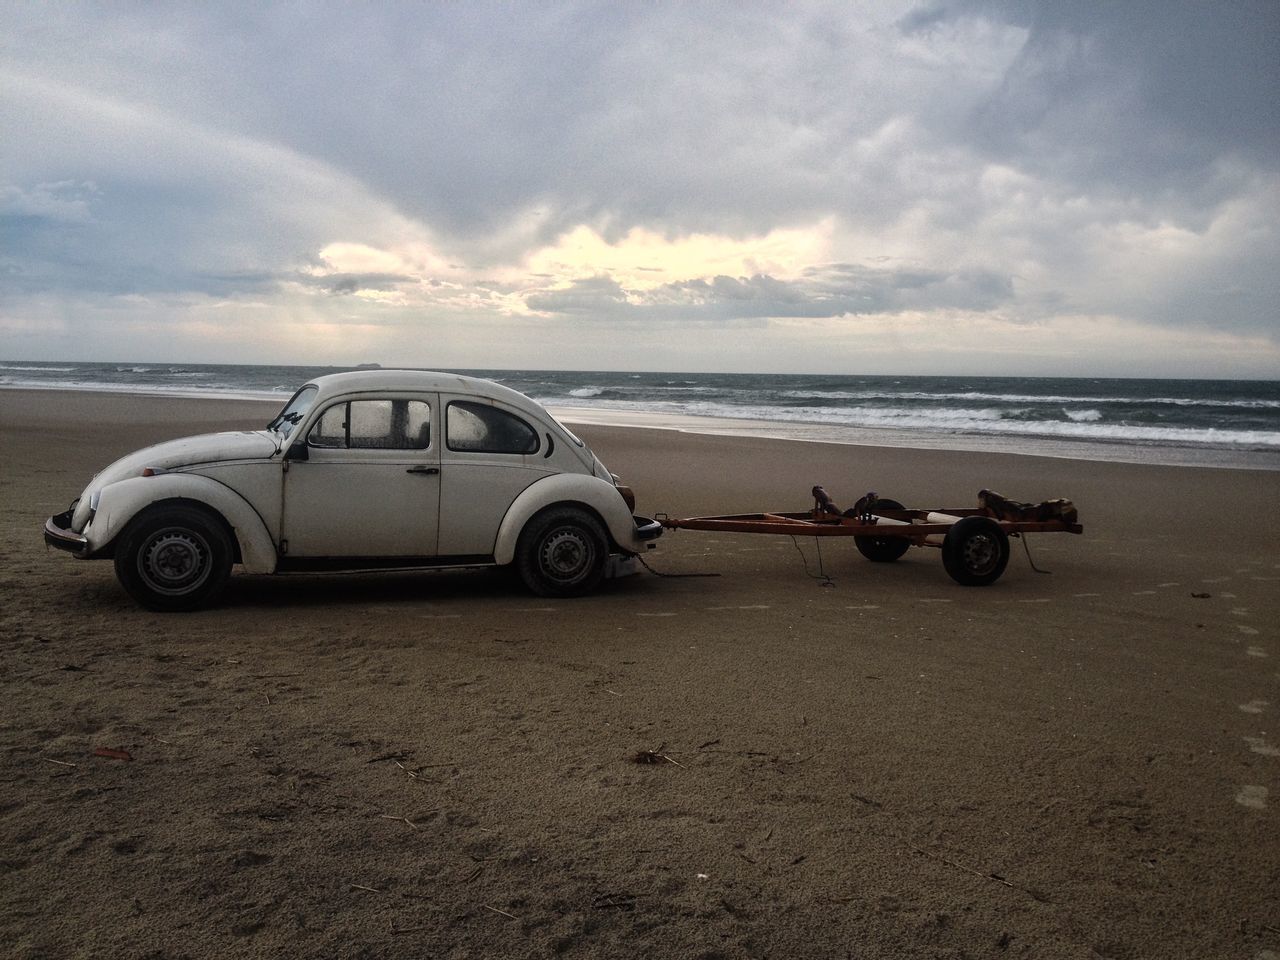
974 540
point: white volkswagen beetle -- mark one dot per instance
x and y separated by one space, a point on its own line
363 470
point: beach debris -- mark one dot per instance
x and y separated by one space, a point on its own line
654 756
392 816
361 886
396 755
1202 596
504 913
709 743
395 930
1029 891
61 763
411 774
615 901
702 876
112 754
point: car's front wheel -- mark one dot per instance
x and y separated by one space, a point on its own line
562 552
174 558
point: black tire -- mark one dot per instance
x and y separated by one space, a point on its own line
975 551
174 558
883 549
562 552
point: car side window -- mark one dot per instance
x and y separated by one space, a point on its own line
482 428
374 425
331 429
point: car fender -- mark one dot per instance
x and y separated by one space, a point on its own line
120 502
601 496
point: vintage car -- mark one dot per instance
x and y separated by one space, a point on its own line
364 470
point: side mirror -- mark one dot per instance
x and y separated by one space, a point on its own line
298 451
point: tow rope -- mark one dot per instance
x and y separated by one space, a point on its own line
671 576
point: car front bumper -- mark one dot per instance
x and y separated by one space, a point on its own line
58 533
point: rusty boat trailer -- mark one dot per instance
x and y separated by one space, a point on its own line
974 540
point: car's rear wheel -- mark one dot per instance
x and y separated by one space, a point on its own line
174 558
562 552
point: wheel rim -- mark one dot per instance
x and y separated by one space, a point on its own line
981 554
174 561
567 555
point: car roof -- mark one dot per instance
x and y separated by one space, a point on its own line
358 381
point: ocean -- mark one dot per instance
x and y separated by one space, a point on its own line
1233 423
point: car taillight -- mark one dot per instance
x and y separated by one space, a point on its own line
628 495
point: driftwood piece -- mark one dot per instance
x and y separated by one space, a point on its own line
654 756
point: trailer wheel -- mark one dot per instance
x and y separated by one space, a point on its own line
975 551
883 549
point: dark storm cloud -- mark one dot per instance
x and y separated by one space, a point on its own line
345 284
1140 96
836 290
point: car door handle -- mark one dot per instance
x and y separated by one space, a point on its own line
429 471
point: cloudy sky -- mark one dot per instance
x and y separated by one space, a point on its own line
1058 188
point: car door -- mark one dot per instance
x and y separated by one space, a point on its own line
491 453
368 483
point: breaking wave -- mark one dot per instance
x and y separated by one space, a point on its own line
1006 413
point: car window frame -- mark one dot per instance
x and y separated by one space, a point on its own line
431 403
447 404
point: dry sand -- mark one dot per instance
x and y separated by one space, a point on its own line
439 765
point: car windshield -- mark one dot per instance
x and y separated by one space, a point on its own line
294 411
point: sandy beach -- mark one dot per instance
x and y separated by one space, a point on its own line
1078 765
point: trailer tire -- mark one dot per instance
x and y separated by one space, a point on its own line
883 549
975 551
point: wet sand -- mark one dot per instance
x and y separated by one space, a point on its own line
1080 764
